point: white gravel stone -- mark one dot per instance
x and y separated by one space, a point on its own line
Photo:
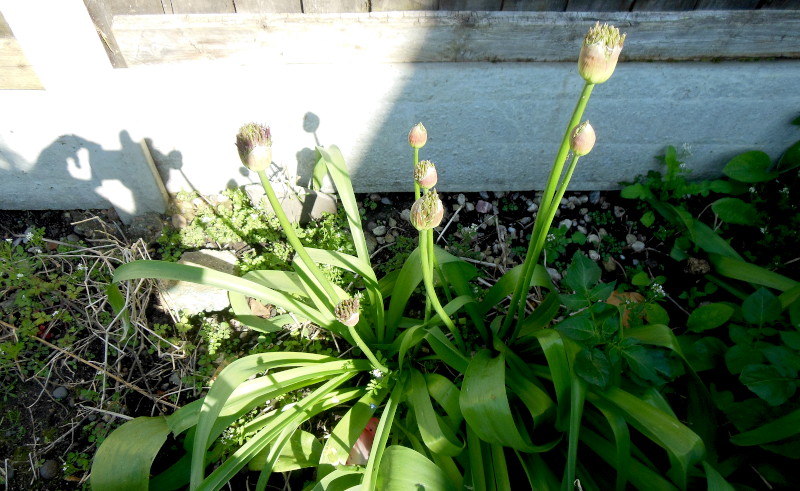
379 230
594 255
638 246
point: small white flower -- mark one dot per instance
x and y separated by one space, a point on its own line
763 230
785 190
81 267
28 237
205 219
8 240
551 237
377 374
658 290
752 189
20 275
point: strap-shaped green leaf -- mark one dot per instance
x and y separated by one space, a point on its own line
506 284
544 313
639 475
784 427
485 405
290 416
665 430
382 434
124 459
745 271
205 276
443 391
445 350
439 438
349 428
403 469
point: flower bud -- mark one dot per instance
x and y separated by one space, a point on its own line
254 143
599 53
418 136
425 174
582 139
348 311
427 212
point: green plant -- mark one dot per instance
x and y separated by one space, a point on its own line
744 334
463 387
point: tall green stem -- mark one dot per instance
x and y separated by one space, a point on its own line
541 224
294 241
427 279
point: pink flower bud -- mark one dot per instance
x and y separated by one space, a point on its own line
418 136
425 174
582 139
427 212
254 143
348 311
599 53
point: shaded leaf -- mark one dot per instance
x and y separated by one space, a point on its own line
761 307
750 167
582 274
709 316
592 365
734 210
768 384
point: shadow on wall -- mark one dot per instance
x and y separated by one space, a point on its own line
73 172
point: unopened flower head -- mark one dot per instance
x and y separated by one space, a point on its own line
427 212
254 143
582 139
418 136
425 174
348 311
599 53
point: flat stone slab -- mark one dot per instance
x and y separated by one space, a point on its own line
301 205
196 298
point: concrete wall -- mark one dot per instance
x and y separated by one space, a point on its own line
492 126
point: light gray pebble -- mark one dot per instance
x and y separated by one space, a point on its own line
638 246
565 223
564 201
525 220
380 240
554 274
386 201
375 197
582 229
406 215
483 206
619 211
389 238
532 207
379 230
593 239
60 393
583 211
470 206
583 198
484 195
461 199
630 239
392 223
594 255
594 197
49 470
602 232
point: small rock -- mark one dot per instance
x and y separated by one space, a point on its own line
697 266
582 229
406 215
609 264
630 239
602 232
583 198
594 255
174 378
375 197
372 243
73 238
563 202
470 206
389 239
594 197
483 206
49 470
512 232
565 223
179 221
386 201
461 199
554 274
532 207
60 393
195 298
379 230
619 211
583 211
638 246
392 223
499 194
380 240
484 195
525 220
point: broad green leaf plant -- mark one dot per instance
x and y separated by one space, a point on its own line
465 389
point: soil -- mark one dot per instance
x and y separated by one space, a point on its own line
47 422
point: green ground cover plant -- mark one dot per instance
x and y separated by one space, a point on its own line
742 323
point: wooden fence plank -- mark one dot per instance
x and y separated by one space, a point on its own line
335 6
447 36
599 5
726 4
203 6
101 16
663 5
397 5
470 4
268 6
781 4
535 5
135 7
